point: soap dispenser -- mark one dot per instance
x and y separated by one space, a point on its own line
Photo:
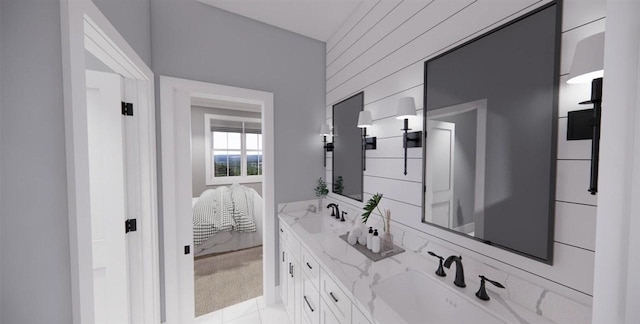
375 245
370 238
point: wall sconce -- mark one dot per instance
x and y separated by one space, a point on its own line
406 110
587 66
368 143
325 130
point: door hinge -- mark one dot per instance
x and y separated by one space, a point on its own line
127 108
130 225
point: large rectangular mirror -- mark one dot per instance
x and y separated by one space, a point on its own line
491 122
347 148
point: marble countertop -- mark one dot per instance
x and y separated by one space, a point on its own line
357 274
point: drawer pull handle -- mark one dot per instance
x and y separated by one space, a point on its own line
292 270
308 265
309 305
334 297
281 231
282 256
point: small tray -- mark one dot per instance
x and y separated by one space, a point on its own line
373 256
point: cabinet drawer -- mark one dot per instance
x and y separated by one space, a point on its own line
282 232
310 301
327 316
358 317
311 267
335 297
290 241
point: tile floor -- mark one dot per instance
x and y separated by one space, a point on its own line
252 311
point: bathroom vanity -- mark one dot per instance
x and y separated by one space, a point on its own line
323 279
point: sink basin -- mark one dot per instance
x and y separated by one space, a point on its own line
317 224
419 298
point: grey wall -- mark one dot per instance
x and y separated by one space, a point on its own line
132 19
34 229
198 175
464 167
194 41
36 286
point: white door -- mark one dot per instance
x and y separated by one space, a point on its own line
439 173
107 192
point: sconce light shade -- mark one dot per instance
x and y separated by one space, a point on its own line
364 119
325 130
406 108
588 60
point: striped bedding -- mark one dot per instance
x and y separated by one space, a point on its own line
223 209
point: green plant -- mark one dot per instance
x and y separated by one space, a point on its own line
338 187
371 206
321 189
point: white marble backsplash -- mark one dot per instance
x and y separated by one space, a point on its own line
542 301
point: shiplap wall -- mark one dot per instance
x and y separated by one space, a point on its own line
381 49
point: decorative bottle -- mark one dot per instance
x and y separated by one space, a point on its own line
370 238
375 245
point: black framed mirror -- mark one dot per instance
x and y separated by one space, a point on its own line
491 119
347 175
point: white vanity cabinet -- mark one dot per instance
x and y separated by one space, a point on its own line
310 301
290 275
336 299
284 271
357 317
309 293
326 316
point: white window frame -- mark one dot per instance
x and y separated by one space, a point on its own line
211 179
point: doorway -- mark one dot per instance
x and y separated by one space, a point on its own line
176 98
455 167
227 172
111 172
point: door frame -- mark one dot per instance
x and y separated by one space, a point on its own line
85 28
481 151
175 113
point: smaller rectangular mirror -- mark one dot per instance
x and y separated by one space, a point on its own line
347 148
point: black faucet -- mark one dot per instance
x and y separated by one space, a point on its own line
342 216
482 292
459 270
335 211
440 272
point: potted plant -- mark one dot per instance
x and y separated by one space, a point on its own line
321 192
372 207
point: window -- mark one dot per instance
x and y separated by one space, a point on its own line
233 147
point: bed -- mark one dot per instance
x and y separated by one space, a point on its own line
229 239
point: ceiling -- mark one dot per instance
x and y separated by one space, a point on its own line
318 19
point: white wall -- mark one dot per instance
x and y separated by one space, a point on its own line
381 51
616 284
34 229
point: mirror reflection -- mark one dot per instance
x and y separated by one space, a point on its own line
455 162
491 123
347 148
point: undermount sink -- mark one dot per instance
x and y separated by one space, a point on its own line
419 298
317 224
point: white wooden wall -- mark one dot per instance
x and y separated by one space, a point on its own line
381 50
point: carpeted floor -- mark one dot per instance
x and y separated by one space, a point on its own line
226 279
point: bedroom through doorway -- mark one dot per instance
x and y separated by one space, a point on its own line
227 160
